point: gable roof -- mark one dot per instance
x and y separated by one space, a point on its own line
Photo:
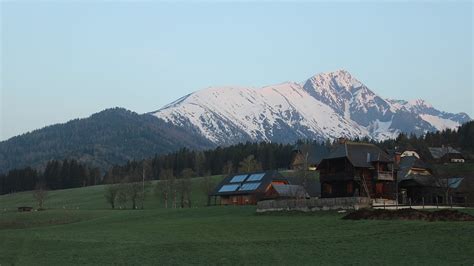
316 153
439 152
312 187
409 162
246 183
290 190
359 154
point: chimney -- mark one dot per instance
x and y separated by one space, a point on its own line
398 157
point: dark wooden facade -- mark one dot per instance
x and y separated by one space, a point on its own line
417 183
343 175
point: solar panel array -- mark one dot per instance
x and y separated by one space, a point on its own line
238 178
249 186
228 188
243 183
256 177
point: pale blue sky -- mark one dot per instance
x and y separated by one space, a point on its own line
67 60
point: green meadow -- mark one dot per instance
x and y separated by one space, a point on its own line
79 228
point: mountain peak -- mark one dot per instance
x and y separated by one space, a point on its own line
339 80
339 72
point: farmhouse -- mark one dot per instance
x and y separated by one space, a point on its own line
446 154
357 169
416 182
246 188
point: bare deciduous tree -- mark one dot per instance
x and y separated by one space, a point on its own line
184 185
134 193
122 196
207 186
40 194
228 168
249 164
164 189
111 192
304 175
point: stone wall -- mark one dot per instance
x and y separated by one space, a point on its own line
314 204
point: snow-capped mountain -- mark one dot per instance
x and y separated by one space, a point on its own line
327 105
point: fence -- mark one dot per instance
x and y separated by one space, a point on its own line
314 204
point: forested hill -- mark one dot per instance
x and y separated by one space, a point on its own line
110 137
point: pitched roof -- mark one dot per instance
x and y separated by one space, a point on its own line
439 152
290 191
312 187
454 182
409 162
316 152
246 183
359 154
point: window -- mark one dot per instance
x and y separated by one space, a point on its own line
327 188
350 188
379 188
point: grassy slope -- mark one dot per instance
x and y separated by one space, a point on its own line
92 198
216 235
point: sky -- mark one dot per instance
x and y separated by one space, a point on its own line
64 60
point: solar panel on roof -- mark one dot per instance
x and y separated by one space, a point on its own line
249 186
256 177
228 188
238 178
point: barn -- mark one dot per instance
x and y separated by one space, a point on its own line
446 154
417 183
245 188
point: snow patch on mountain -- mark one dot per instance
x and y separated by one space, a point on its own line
327 105
440 123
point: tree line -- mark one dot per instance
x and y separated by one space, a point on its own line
56 175
70 173
210 162
222 160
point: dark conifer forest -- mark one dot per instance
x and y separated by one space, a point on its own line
70 173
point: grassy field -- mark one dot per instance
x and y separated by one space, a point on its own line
85 231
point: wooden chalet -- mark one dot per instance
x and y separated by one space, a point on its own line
357 169
446 154
246 188
417 183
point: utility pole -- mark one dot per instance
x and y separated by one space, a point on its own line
396 183
143 184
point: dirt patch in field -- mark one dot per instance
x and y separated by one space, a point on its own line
409 214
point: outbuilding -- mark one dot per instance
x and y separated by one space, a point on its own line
246 188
